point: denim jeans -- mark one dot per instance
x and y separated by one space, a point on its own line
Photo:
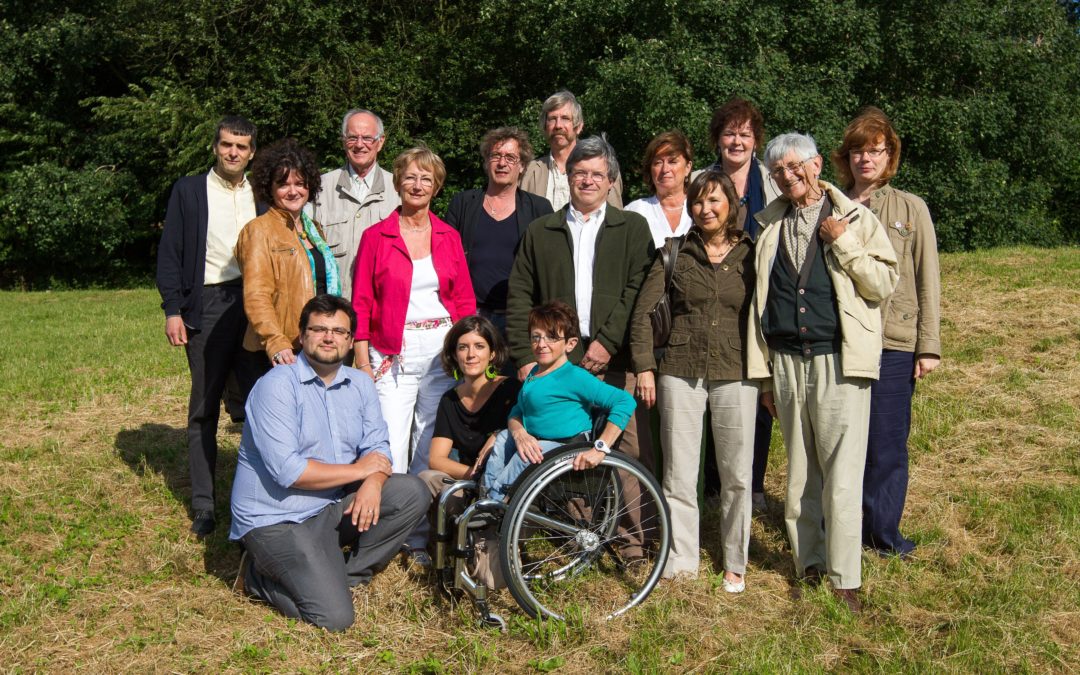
505 464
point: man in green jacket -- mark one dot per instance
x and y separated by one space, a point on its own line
594 257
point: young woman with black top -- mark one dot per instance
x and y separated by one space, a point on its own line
469 416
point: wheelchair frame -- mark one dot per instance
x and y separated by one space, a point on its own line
558 525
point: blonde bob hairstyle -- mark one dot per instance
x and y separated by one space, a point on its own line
424 158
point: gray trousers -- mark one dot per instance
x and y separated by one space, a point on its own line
733 404
824 417
300 568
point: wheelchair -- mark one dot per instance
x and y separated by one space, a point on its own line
563 546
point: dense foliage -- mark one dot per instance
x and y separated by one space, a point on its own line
104 103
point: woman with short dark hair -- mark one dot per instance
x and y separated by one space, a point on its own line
737 132
283 258
471 413
666 169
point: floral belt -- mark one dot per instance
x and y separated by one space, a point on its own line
425 324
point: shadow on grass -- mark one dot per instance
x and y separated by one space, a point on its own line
159 449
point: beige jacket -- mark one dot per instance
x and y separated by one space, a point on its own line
535 181
344 217
912 314
863 269
277 282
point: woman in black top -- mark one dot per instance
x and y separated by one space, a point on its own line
468 418
471 413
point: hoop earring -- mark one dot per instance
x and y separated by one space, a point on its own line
456 374
490 372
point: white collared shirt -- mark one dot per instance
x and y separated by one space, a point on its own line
361 184
656 217
229 208
584 233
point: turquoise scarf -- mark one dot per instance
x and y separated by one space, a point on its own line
333 282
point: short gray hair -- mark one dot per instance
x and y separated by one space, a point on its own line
359 111
594 146
778 148
558 100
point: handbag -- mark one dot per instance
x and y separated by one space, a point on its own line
660 315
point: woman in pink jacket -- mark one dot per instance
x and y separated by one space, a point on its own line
410 285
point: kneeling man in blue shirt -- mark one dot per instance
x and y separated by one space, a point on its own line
313 477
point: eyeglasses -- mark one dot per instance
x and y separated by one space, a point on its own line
873 153
537 338
778 172
588 176
496 157
323 330
366 140
424 181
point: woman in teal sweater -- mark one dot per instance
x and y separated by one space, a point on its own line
555 404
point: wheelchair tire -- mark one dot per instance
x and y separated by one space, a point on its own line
560 544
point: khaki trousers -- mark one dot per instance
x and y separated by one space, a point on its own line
824 417
733 404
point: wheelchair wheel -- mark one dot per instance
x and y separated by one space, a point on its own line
565 543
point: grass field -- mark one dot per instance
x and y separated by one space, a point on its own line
98 573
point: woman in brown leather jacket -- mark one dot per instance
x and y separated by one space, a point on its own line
283 258
703 367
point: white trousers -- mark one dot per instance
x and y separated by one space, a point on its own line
409 395
733 405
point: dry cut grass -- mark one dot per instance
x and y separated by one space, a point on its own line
97 572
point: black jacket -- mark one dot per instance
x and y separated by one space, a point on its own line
181 258
461 215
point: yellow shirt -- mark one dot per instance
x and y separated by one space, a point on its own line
230 208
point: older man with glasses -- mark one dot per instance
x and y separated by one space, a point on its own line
356 196
824 265
492 220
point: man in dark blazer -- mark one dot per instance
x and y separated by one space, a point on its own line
202 295
493 220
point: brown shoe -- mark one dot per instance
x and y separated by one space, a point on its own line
850 597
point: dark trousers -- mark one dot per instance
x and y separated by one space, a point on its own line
212 353
762 437
885 480
300 568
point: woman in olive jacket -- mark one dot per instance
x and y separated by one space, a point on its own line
866 160
703 366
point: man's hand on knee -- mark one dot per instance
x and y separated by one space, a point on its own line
365 505
372 463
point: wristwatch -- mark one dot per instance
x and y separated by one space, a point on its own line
602 446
